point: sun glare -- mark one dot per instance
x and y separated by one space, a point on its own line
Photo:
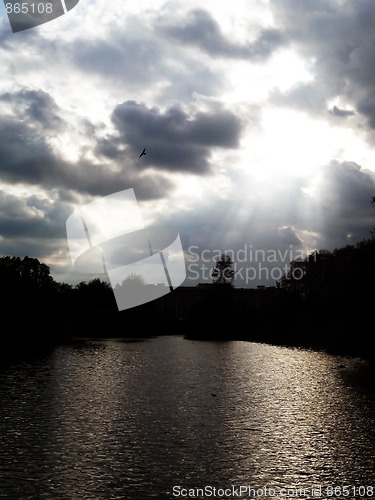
292 143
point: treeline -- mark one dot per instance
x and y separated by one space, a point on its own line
36 308
325 301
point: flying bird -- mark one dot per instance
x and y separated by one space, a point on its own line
143 152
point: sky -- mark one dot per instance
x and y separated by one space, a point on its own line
258 119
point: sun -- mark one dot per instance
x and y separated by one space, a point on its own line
291 144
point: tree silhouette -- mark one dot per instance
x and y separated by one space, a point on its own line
30 271
133 280
222 273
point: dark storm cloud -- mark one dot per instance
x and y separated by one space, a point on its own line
341 212
175 140
337 41
27 158
32 225
201 30
366 106
37 106
108 148
347 189
32 216
38 248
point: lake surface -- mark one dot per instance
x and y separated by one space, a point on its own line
132 420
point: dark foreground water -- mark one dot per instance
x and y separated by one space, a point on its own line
162 417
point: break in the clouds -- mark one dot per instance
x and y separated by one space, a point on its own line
257 122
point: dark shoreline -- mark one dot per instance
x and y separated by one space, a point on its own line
290 341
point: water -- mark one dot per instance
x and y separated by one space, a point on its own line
131 420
